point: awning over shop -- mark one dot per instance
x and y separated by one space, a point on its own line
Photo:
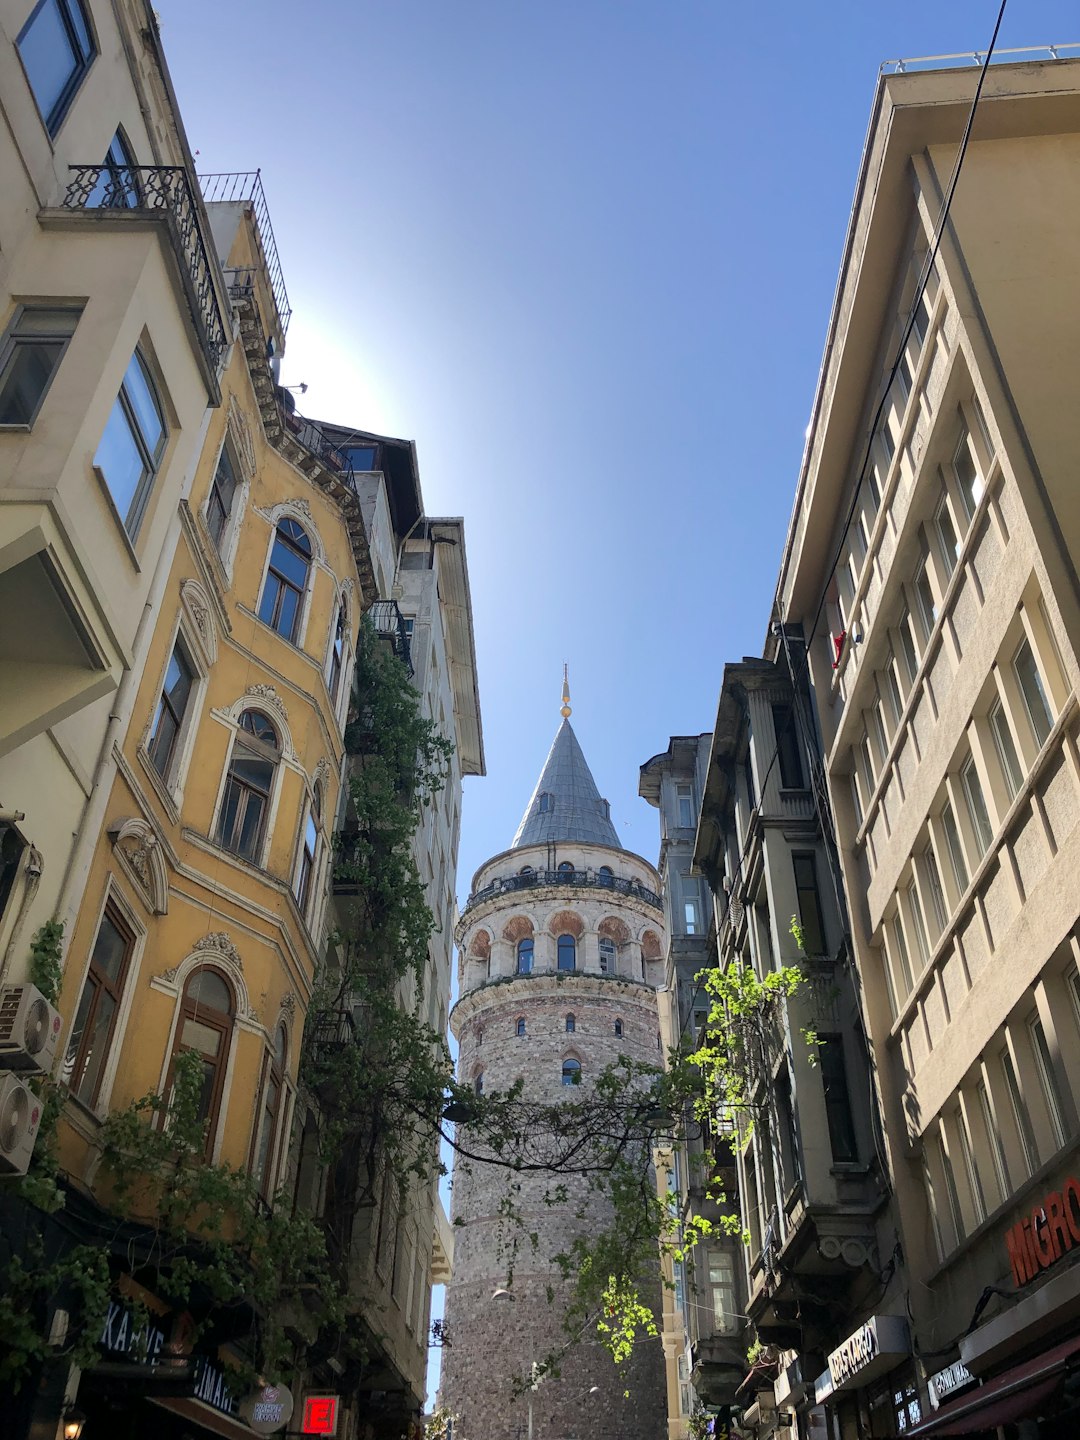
1021 1391
205 1416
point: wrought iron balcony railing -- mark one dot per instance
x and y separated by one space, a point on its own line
389 621
135 190
246 188
305 432
532 878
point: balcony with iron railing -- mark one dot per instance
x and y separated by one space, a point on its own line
127 194
246 188
534 879
389 622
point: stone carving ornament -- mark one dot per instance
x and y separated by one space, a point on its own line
269 696
219 943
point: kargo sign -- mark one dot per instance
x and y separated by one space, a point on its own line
1050 1231
856 1352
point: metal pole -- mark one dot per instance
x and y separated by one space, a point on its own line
530 1416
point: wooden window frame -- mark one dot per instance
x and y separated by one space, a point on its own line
215 1020
115 988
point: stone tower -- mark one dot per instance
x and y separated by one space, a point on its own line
560 948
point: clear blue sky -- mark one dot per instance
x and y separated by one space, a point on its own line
583 253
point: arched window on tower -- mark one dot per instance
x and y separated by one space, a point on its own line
566 868
606 876
571 1072
571 1024
567 951
519 1027
618 1028
607 956
525 956
478 1082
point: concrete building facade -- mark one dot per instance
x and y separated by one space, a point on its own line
113 331
931 573
705 1331
561 948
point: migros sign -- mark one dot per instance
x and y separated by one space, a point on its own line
1051 1230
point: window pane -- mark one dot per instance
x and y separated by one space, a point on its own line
787 748
837 1099
82 33
927 604
260 727
197 1036
288 610
163 738
95 1047
967 476
1048 1079
209 991
901 952
956 853
109 950
997 1151
917 923
47 54
976 803
1031 686
1020 1114
1003 743
567 952
248 840
256 773
950 545
937 894
26 378
810 915
229 810
287 562
907 644
120 460
144 405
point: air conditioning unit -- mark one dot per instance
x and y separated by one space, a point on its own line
29 1029
20 1116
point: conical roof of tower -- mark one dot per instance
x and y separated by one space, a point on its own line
566 805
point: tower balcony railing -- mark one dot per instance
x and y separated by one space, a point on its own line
164 191
534 879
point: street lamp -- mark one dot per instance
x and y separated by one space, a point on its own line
74 1420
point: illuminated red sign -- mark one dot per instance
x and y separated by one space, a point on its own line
320 1415
1042 1237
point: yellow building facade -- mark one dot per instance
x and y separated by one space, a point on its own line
201 916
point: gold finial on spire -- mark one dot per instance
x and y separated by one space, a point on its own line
565 711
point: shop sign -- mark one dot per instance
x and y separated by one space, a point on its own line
320 1415
1049 1232
268 1409
870 1350
144 1344
120 1335
946 1382
211 1387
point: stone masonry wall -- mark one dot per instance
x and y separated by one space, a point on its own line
494 1340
